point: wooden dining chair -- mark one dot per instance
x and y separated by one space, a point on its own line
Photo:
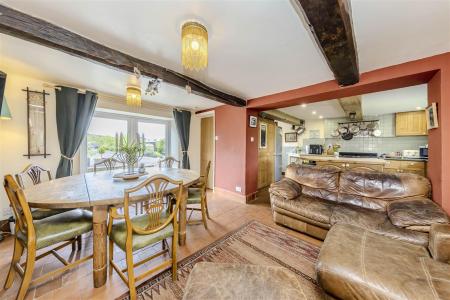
109 163
169 162
156 225
34 174
197 195
37 234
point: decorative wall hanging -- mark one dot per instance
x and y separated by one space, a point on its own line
36 121
432 116
290 137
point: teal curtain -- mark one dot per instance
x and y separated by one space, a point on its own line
74 113
183 123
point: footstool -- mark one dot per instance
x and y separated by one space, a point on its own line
357 264
240 281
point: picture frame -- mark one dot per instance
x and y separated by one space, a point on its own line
290 137
431 116
252 121
263 135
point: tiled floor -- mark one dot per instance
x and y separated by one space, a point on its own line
227 214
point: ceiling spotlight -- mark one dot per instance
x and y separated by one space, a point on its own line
303 105
153 86
320 117
313 112
418 108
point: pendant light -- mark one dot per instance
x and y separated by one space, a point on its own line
134 89
194 46
5 114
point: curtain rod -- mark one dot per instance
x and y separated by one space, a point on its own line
58 87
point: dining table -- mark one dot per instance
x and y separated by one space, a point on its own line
98 191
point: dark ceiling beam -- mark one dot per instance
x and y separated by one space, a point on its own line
331 26
23 26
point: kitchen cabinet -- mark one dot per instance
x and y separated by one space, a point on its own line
351 166
406 166
410 123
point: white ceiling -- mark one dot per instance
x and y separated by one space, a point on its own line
255 47
374 104
324 109
399 100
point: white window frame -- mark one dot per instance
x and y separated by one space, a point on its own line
132 129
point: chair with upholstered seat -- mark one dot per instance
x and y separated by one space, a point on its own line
169 162
33 174
108 163
197 195
37 234
157 224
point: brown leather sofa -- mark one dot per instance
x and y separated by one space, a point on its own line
312 199
355 263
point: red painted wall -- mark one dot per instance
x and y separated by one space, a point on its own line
230 147
433 70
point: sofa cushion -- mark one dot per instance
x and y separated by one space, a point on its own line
286 188
375 221
415 212
374 190
316 182
357 264
312 208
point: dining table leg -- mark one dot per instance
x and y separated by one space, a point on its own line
99 218
182 217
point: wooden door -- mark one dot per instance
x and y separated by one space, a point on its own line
411 123
266 155
207 148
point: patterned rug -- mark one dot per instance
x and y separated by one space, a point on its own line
253 243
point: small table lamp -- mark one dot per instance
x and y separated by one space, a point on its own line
5 114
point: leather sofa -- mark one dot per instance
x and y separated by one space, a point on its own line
312 199
355 263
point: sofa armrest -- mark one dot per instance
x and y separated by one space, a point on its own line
286 188
439 244
418 211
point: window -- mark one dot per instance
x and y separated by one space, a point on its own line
100 140
155 141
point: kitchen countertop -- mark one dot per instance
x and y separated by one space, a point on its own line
366 160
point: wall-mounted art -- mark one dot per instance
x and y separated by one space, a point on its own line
253 121
37 123
290 137
432 116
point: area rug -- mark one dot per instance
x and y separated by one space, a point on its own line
253 243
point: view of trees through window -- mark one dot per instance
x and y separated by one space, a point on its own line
101 141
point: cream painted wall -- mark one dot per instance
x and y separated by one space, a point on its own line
13 133
194 142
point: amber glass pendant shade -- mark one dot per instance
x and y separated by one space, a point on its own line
194 46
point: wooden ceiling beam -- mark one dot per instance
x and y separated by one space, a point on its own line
331 26
26 27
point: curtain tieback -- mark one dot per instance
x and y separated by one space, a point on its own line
66 157
184 152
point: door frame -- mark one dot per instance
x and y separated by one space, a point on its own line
209 114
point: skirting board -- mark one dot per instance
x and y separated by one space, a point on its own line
235 196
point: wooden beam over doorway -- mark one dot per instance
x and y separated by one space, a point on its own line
26 27
331 26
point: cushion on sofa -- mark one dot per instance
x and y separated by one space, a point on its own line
312 208
286 188
357 264
316 182
374 190
415 212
